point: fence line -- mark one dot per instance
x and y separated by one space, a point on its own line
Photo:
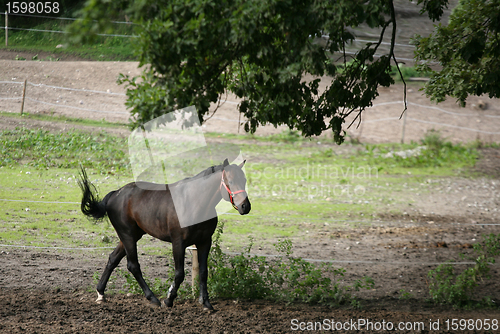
236 103
132 23
379 56
224 119
75 89
28 201
135 36
62 18
384 43
78 108
7 28
263 255
63 88
55 247
11 82
261 216
431 107
65 32
454 126
38 30
382 119
68 89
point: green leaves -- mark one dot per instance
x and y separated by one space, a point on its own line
434 8
285 278
265 52
468 50
448 287
42 149
473 50
261 51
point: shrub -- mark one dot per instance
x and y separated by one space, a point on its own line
285 278
438 152
457 289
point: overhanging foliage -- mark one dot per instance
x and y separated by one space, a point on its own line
468 49
196 51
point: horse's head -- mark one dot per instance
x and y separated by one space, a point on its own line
232 187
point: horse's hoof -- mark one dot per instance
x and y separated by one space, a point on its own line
100 298
168 303
207 306
154 302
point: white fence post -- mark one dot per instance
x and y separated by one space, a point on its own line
404 126
196 268
24 96
6 29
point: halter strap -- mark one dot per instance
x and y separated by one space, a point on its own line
229 192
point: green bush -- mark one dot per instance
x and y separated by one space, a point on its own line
457 289
407 72
284 279
42 149
437 152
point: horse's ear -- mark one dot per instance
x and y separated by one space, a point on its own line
242 164
226 163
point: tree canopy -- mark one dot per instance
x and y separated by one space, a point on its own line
467 50
194 51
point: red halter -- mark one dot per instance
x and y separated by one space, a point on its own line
229 192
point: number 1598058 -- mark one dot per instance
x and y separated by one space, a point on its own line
32 7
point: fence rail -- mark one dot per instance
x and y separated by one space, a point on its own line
7 27
40 85
252 254
462 123
61 18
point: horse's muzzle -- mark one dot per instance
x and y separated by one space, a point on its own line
244 207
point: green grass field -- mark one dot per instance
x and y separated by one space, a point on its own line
294 184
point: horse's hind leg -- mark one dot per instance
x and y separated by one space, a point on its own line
134 267
203 250
113 261
179 253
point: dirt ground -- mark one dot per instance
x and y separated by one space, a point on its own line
49 291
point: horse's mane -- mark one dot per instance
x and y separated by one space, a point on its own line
203 173
212 169
206 172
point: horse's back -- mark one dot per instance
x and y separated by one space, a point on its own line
142 205
151 208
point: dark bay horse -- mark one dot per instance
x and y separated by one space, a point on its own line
140 207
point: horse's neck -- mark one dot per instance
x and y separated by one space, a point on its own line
195 199
206 189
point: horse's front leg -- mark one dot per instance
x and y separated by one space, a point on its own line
179 252
203 251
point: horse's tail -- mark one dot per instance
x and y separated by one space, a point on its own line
91 205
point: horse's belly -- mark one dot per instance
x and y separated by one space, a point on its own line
156 231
